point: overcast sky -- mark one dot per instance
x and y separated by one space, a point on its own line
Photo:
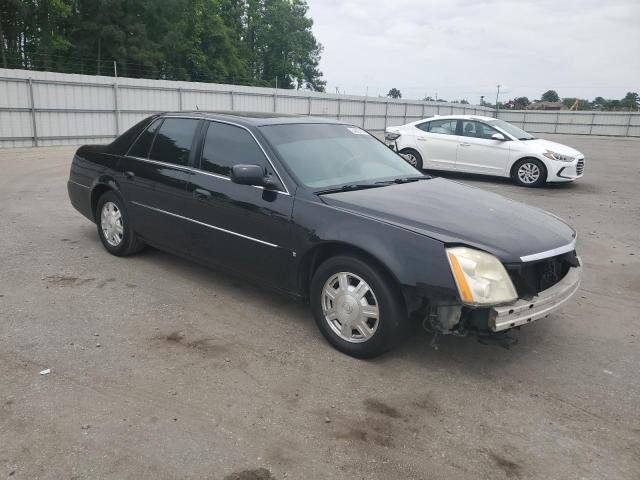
464 48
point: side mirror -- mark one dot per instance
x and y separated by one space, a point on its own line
498 136
250 175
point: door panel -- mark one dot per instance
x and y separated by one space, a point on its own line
479 153
154 181
437 142
240 227
153 190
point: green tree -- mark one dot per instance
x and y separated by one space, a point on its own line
631 101
550 96
394 93
520 103
255 42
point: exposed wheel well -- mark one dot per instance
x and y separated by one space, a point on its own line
409 149
96 193
314 258
513 167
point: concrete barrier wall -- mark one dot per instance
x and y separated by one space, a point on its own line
45 108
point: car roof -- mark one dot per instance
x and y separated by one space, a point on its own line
454 117
255 119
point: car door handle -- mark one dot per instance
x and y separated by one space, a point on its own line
201 194
465 144
129 174
422 139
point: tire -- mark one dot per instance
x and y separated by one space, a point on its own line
414 158
529 172
114 227
341 319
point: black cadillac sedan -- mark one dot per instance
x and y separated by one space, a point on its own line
324 211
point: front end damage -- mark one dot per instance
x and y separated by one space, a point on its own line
543 287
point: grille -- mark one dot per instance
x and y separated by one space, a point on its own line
532 278
580 166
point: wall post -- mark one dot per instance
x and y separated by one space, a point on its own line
32 106
364 112
116 110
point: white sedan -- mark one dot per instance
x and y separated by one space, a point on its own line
485 145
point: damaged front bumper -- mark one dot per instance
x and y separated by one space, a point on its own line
522 311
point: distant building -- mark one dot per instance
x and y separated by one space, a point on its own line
547 106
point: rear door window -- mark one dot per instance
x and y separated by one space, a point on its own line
173 141
444 126
142 145
228 145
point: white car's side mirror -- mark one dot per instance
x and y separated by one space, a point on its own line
498 136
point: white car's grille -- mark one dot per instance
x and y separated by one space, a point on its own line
580 166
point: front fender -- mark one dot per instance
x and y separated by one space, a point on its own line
415 261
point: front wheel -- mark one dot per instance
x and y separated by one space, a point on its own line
529 172
356 308
412 157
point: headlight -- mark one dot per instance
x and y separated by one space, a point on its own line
558 156
480 277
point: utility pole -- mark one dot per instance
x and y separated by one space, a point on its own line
497 93
115 69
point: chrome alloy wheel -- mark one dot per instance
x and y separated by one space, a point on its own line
111 224
411 159
350 307
529 173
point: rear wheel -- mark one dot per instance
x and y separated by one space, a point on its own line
114 227
356 308
529 172
412 157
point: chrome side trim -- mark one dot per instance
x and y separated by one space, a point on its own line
550 253
79 184
207 225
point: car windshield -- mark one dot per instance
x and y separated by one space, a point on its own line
511 129
329 155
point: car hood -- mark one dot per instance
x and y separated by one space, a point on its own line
543 145
458 214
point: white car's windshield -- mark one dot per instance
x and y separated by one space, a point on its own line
511 129
328 155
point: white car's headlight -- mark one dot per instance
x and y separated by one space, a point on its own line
558 156
480 277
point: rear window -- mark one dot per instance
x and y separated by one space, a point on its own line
144 141
173 141
121 145
443 127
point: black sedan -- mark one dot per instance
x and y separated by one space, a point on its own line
324 211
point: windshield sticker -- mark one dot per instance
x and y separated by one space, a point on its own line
357 131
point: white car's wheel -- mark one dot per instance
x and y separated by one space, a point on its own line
529 172
412 157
